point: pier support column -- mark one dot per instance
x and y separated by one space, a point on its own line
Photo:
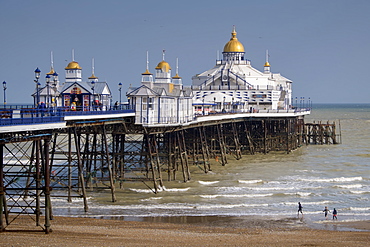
2 189
80 169
111 181
48 212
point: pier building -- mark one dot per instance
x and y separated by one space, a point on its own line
161 99
234 85
74 93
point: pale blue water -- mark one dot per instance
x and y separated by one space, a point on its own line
337 176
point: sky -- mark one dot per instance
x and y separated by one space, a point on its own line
323 46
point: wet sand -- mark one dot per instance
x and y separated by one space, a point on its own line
182 231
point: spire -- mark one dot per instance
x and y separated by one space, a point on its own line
147 77
147 65
93 77
177 70
52 64
267 64
93 68
73 54
163 53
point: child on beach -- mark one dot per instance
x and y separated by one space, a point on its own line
300 209
326 211
335 214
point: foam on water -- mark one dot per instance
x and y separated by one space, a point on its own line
208 182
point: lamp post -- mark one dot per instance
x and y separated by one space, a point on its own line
37 76
203 106
47 90
93 95
120 94
4 86
55 83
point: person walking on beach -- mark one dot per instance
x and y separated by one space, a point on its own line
335 214
300 209
326 211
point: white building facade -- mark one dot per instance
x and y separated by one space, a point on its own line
161 99
74 94
233 85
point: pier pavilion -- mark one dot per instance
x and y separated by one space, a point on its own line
234 85
74 93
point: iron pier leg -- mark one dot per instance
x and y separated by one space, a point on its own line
2 189
112 187
38 182
80 170
47 187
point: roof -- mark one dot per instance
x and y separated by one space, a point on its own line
99 87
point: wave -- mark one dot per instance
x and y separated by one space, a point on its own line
309 203
359 192
160 189
359 209
348 186
301 194
340 179
208 182
273 188
250 181
151 199
236 196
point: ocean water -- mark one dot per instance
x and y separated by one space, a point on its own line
336 176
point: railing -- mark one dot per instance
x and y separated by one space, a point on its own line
235 111
24 114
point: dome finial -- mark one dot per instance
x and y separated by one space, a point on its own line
233 33
147 65
267 64
163 52
233 45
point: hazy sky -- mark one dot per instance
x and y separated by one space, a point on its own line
322 45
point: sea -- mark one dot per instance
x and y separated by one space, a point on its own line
262 185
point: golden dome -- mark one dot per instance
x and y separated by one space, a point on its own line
51 72
73 65
147 72
267 64
233 45
176 77
164 66
93 77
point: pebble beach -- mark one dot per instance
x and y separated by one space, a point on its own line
68 231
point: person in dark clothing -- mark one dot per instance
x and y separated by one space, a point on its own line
326 211
300 209
335 214
115 106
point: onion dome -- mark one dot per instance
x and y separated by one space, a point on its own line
176 76
233 45
51 71
267 64
92 77
147 72
164 66
73 65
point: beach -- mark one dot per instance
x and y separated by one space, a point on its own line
68 231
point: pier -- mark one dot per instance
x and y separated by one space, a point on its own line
68 155
73 140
